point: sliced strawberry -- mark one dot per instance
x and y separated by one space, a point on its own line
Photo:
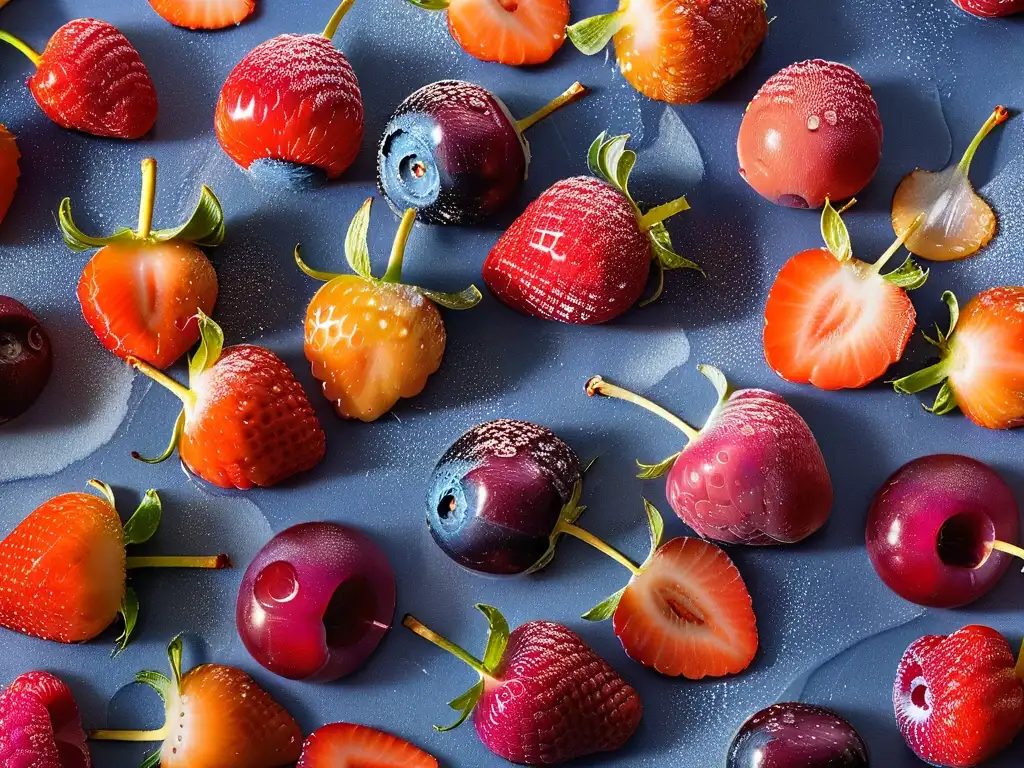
346 745
688 613
204 14
9 172
514 32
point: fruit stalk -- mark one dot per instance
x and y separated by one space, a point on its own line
394 271
900 242
106 735
575 91
211 562
410 622
187 396
586 536
7 37
1010 549
665 210
598 386
999 115
336 17
147 198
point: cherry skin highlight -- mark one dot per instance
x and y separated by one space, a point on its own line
25 358
795 735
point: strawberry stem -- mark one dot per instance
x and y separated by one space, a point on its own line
598 544
339 14
575 91
394 271
663 211
900 241
147 198
316 274
598 386
430 635
212 562
105 735
922 380
7 37
999 115
183 393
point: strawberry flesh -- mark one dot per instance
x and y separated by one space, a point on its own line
204 14
513 32
40 726
345 745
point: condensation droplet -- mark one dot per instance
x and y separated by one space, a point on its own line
813 122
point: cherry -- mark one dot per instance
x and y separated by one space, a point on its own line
795 735
25 358
936 527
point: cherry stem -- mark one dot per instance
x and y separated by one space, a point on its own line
7 37
663 211
183 393
598 386
104 735
430 635
147 198
394 271
1010 549
212 562
339 14
999 115
575 91
900 242
598 544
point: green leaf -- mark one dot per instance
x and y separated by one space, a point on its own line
463 704
497 636
172 445
718 379
357 249
591 35
129 611
156 681
659 287
657 527
661 241
835 234
143 524
654 471
594 153
151 761
605 609
205 227
570 513
211 344
922 380
467 298
174 650
909 276
945 401
431 5
76 240
954 311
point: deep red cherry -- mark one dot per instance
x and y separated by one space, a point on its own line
25 358
795 735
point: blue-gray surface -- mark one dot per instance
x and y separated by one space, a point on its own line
831 633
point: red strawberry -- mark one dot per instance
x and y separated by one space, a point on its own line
837 322
140 293
291 111
514 32
958 699
680 51
991 8
9 172
344 745
40 726
982 365
63 567
544 696
216 716
204 14
582 251
246 420
91 79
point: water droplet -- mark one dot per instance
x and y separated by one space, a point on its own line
830 117
813 122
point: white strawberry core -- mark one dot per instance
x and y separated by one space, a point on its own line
916 701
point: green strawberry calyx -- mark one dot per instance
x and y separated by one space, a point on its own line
945 400
357 253
591 35
204 228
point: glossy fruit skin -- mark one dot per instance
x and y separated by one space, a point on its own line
9 173
341 744
292 101
795 735
553 699
91 79
204 14
315 602
812 131
141 299
40 726
755 475
472 156
508 481
905 530
482 29
991 8
26 358
957 699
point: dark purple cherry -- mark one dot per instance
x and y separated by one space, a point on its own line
794 735
25 358
454 153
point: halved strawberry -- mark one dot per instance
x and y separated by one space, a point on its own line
204 14
837 322
9 173
346 745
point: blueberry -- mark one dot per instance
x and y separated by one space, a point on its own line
794 735
25 358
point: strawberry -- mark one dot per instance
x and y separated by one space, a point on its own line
291 111
63 567
991 8
582 251
246 420
216 716
40 726
837 322
344 745
513 32
982 365
91 79
372 341
958 699
9 172
544 696
679 51
204 14
141 291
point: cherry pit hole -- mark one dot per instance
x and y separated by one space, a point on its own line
965 540
446 506
351 613
919 695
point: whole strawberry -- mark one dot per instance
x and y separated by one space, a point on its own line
91 79
141 291
991 8
40 726
372 341
544 696
958 699
679 51
246 420
216 716
291 111
9 173
581 252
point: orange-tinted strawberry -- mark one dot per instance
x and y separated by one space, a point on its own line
216 716
62 570
9 172
346 745
679 51
204 14
372 341
141 291
246 420
982 365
